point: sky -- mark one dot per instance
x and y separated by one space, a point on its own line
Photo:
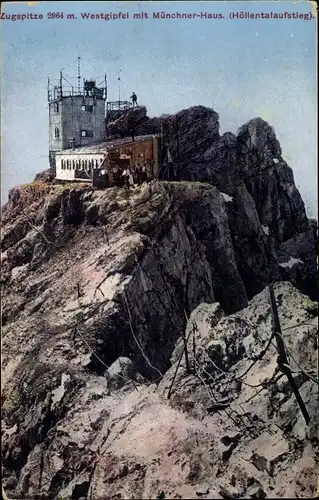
242 68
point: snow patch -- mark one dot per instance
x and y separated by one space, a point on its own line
18 270
58 393
109 286
226 197
275 160
12 430
291 262
265 229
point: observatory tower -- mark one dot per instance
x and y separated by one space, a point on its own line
76 115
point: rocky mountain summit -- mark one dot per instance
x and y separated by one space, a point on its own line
257 184
101 289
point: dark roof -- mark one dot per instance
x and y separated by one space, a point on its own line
102 147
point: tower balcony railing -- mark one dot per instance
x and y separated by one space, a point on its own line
118 105
57 94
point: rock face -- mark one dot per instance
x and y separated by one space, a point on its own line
270 180
121 127
98 288
231 428
141 257
265 209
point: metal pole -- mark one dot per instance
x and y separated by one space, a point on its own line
178 172
119 80
186 353
282 356
79 75
160 172
194 349
179 362
60 83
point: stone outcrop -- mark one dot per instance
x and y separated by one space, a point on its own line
264 207
122 126
99 288
168 249
231 428
270 180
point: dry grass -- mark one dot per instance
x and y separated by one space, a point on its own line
33 191
31 197
60 188
25 196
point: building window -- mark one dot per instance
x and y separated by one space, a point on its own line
87 108
56 107
96 163
86 133
67 164
73 164
56 133
62 164
82 164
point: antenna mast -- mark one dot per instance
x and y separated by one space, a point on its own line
119 80
79 75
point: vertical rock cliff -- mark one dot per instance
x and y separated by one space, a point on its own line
99 289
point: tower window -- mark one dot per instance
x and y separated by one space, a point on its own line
86 133
87 108
56 107
56 133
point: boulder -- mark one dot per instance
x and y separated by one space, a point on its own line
121 371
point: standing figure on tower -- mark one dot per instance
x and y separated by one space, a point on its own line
134 99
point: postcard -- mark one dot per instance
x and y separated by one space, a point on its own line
159 257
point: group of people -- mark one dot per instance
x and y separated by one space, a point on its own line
129 178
